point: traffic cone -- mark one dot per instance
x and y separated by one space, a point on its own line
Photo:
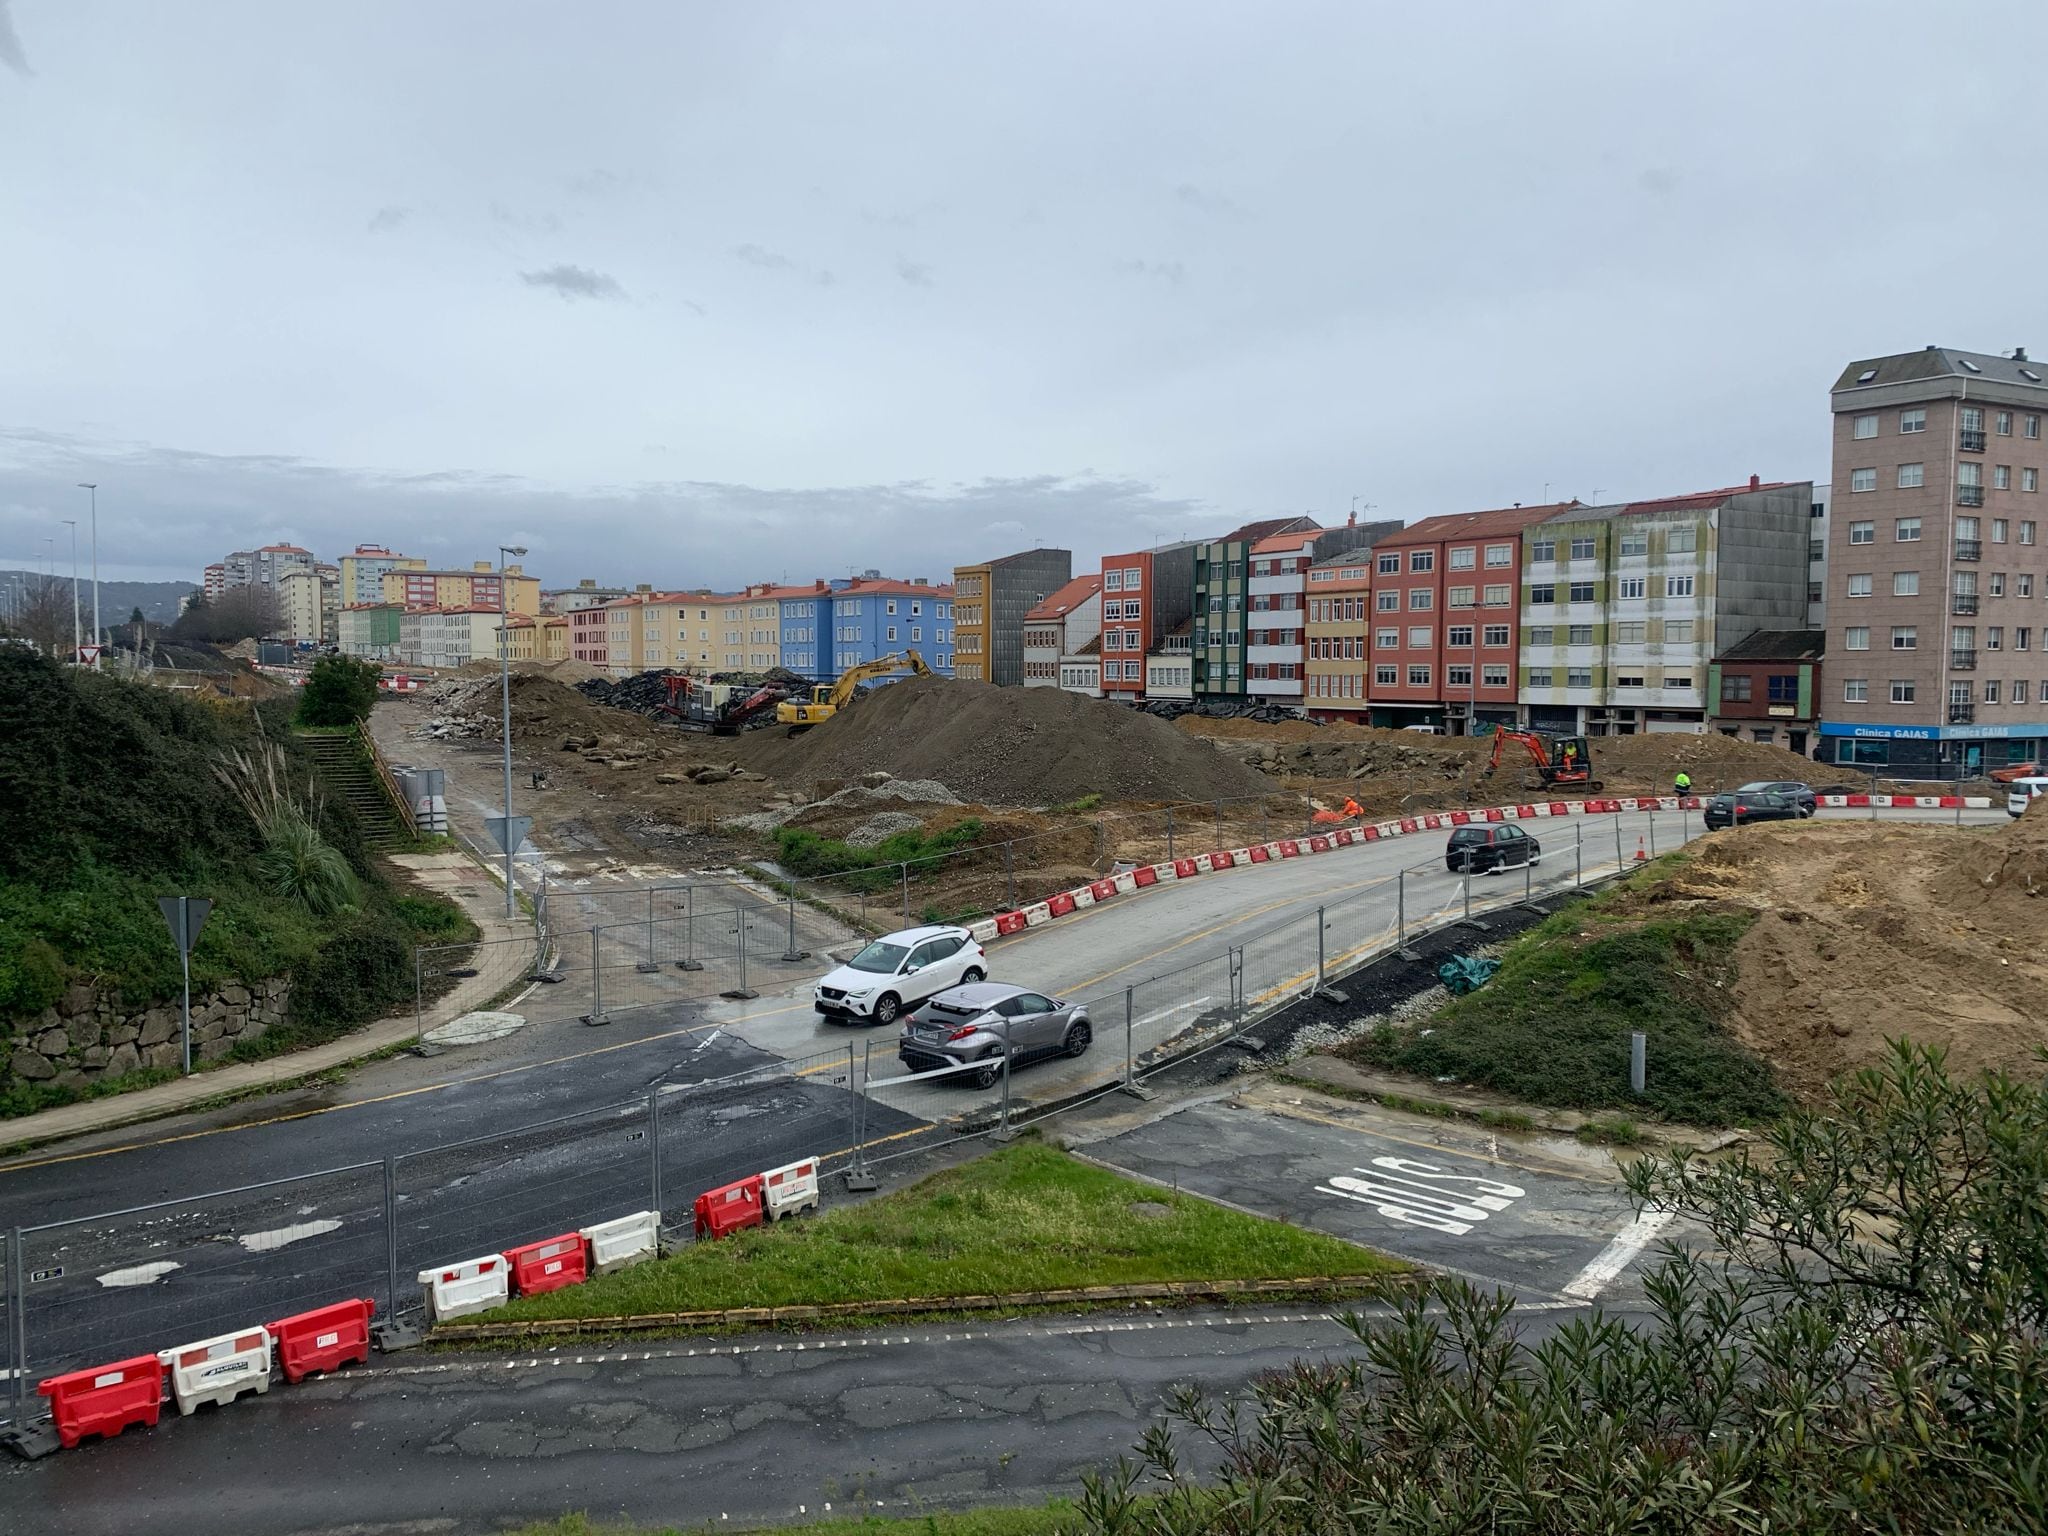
1640 855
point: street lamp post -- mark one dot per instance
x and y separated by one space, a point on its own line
92 490
72 524
505 724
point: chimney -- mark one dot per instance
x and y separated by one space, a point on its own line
2019 354
1755 481
919 581
1352 521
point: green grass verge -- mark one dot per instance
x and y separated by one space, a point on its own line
1553 1026
1040 1520
803 852
1024 1218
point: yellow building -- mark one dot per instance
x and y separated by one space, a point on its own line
538 639
476 587
362 573
299 605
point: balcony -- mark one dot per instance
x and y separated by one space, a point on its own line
1969 495
1962 714
1971 441
1962 661
1969 549
1963 605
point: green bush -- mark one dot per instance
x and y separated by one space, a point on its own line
803 852
362 968
340 690
31 974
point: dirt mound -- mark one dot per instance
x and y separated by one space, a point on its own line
1868 932
1003 746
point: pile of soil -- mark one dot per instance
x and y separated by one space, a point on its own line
567 669
1003 746
1872 932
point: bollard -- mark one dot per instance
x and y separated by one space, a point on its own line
790 954
1169 834
390 1236
689 962
1528 880
596 1014
654 1148
1638 1062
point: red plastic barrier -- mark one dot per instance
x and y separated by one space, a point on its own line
1060 905
1525 811
1289 848
1319 845
324 1338
1260 855
1182 868
1009 922
729 1208
1459 818
1144 874
1559 808
1494 813
1431 823
105 1399
1408 824
1372 834
1102 890
1222 860
549 1264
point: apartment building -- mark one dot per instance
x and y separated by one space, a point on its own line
369 630
590 635
1623 607
585 594
1766 687
363 570
477 587
1276 649
625 631
1936 569
1221 599
1337 663
1170 667
1817 560
874 616
542 638
1082 671
989 604
1445 601
1147 595
299 607
1059 627
452 637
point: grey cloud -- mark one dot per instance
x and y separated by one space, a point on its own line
915 273
1162 271
774 261
10 43
531 223
387 218
1196 197
574 282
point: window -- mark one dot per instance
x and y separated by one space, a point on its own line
2004 421
1387 601
2032 426
1493 677
2030 479
1459 597
1464 559
1912 476
1543 593
1538 634
1905 637
892 631
1496 635
2022 638
1856 638
1902 690
1862 479
1678 586
1784 687
1582 549
1905 583
1418 677
1866 426
1682 541
1630 632
1994 638
1628 680
1419 638
1460 636
1678 631
1421 560
1970 477
1997 584
1386 639
1629 587
1420 599
1991 690
1389 565
1999 529
1539 677
1734 689
1906 530
1863 533
1499 556
1579 634
1578 677
1855 690
1973 415
1580 592
1633 544
2001 477
1133 580
2026 532
1499 596
1543 549
1859 586
1112 581
1458 677
1913 420
1386 677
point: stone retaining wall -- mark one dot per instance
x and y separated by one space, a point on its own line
89 1036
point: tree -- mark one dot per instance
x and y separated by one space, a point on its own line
340 690
240 613
1854 1343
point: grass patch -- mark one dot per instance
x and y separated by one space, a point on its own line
803 852
1082 806
1553 1025
1048 1519
1612 1131
1026 1217
1505 1120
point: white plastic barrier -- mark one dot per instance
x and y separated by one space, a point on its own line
628 1240
1125 883
1084 896
1036 914
1165 872
219 1370
984 932
791 1188
474 1285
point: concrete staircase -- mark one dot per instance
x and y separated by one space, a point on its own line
348 777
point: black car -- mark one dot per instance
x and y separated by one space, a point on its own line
1488 848
1801 795
1749 805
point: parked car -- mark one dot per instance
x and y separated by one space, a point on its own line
970 1025
1801 795
1749 805
2021 793
897 972
1491 847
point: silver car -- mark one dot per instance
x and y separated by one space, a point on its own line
970 1025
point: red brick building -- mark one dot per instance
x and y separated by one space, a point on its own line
1146 595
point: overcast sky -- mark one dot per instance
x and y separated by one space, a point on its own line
705 294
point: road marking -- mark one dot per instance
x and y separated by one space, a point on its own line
1610 1261
1423 1194
1167 1013
140 1274
1543 1166
279 1237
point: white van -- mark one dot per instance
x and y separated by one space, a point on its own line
2022 793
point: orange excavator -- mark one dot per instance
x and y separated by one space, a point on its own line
1558 760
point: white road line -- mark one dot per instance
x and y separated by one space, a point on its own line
1167 1013
1610 1261
279 1237
140 1274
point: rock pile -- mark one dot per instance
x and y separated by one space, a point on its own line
89 1036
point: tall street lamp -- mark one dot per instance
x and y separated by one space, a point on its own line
72 524
505 724
92 489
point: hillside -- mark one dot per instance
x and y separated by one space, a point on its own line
158 600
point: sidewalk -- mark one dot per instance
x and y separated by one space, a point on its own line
453 875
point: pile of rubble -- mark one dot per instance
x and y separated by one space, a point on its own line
1224 709
647 693
874 789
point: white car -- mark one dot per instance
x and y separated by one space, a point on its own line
898 972
2021 793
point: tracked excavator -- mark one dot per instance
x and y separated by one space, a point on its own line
827 699
1556 761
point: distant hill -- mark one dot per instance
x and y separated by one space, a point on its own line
158 600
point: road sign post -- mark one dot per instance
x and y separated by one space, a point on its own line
185 916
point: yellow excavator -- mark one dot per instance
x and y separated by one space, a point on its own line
827 699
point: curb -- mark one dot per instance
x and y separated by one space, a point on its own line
1167 1290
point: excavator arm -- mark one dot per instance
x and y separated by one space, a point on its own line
881 666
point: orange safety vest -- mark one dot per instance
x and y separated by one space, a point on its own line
1352 808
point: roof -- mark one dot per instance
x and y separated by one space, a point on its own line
1067 599
1022 554
1778 645
1089 647
1694 501
1476 525
1267 527
1943 363
283 549
1360 556
1291 542
862 586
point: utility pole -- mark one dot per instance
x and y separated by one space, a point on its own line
72 524
92 490
505 729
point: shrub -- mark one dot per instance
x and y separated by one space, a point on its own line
340 690
364 968
31 973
